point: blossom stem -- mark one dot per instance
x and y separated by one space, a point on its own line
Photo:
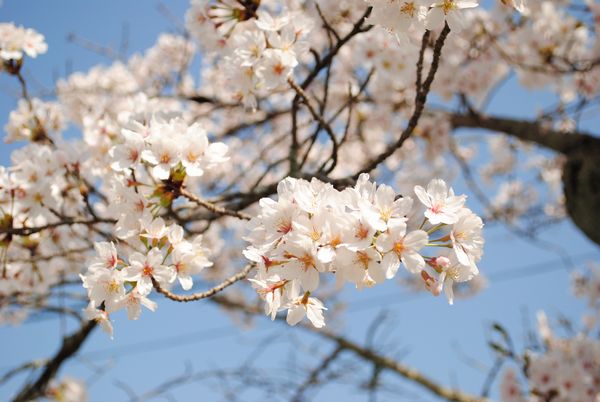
435 228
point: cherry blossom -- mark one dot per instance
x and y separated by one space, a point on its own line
563 369
450 12
442 205
144 268
100 316
361 235
14 41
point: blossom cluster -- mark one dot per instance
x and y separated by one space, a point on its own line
68 389
124 279
14 41
169 149
399 16
105 92
260 53
35 121
165 144
36 191
588 286
402 16
362 235
567 369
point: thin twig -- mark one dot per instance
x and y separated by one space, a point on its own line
214 208
300 92
420 100
26 231
206 294
372 356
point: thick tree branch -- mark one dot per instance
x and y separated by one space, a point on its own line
70 346
581 172
531 131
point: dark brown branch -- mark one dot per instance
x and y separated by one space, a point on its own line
531 131
70 346
420 100
325 61
26 231
322 123
424 42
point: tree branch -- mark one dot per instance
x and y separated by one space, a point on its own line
322 123
209 293
420 100
212 207
26 231
366 354
531 131
70 346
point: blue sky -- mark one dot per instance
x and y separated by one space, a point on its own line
431 336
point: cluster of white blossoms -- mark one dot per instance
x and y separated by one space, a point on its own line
170 150
14 41
259 49
32 122
68 389
167 143
264 57
144 124
362 235
567 369
400 16
123 279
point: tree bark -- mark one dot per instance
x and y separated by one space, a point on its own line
69 347
581 173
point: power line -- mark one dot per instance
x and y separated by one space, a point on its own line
163 343
496 277
171 342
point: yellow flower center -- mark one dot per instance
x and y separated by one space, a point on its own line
448 5
363 259
408 8
315 235
308 261
361 232
113 286
453 273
